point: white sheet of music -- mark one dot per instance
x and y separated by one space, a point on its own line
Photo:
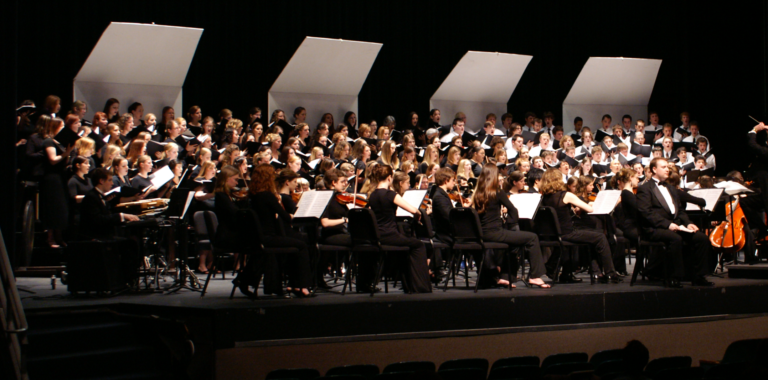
312 204
526 204
414 198
190 197
161 177
732 188
709 195
605 202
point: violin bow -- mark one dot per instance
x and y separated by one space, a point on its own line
354 195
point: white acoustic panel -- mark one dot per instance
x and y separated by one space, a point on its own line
481 83
615 86
113 71
327 66
324 75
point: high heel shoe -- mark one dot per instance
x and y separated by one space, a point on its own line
244 288
299 294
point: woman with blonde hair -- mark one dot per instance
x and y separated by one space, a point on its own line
465 169
556 195
389 155
452 158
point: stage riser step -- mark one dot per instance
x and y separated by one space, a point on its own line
117 361
755 272
81 338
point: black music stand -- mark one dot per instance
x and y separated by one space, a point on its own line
177 211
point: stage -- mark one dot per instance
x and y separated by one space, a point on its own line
331 317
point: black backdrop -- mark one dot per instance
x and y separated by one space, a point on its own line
714 58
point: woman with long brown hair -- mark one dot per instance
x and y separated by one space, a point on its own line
488 200
265 201
557 196
384 203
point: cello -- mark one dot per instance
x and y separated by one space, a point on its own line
728 237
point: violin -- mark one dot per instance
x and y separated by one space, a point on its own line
240 193
729 236
296 196
348 198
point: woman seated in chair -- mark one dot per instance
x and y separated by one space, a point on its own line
626 211
266 202
557 196
334 231
384 203
226 207
488 201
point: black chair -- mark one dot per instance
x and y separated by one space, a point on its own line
725 371
516 361
467 235
657 365
571 357
410 367
606 355
562 369
426 233
743 350
477 363
547 226
344 377
609 367
206 225
322 248
515 372
249 221
463 374
365 370
692 373
366 239
293 373
644 250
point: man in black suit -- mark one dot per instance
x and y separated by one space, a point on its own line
98 222
445 181
758 154
664 220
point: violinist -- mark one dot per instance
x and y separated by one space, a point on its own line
626 213
226 207
241 163
557 196
516 183
266 202
334 232
488 201
286 183
442 203
384 203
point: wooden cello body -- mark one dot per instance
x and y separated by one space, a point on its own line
729 235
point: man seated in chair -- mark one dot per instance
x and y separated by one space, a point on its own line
98 221
664 220
445 181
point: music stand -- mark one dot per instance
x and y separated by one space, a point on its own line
177 211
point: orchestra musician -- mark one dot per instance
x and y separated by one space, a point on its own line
384 203
664 219
488 200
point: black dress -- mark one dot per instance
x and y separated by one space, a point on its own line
490 220
382 202
336 235
570 234
266 206
54 213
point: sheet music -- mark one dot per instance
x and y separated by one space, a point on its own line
732 188
414 198
190 197
526 204
605 202
711 196
115 190
312 164
312 204
161 177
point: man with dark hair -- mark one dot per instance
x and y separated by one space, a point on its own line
506 122
549 118
457 129
664 220
529 118
578 123
684 130
626 124
606 120
534 179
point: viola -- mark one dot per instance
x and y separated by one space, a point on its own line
348 198
729 236
240 192
296 196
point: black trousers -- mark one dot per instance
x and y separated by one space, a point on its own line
528 240
415 264
698 256
296 264
599 242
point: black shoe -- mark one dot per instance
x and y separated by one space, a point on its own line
323 285
367 289
243 286
614 278
569 278
675 284
601 278
701 281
